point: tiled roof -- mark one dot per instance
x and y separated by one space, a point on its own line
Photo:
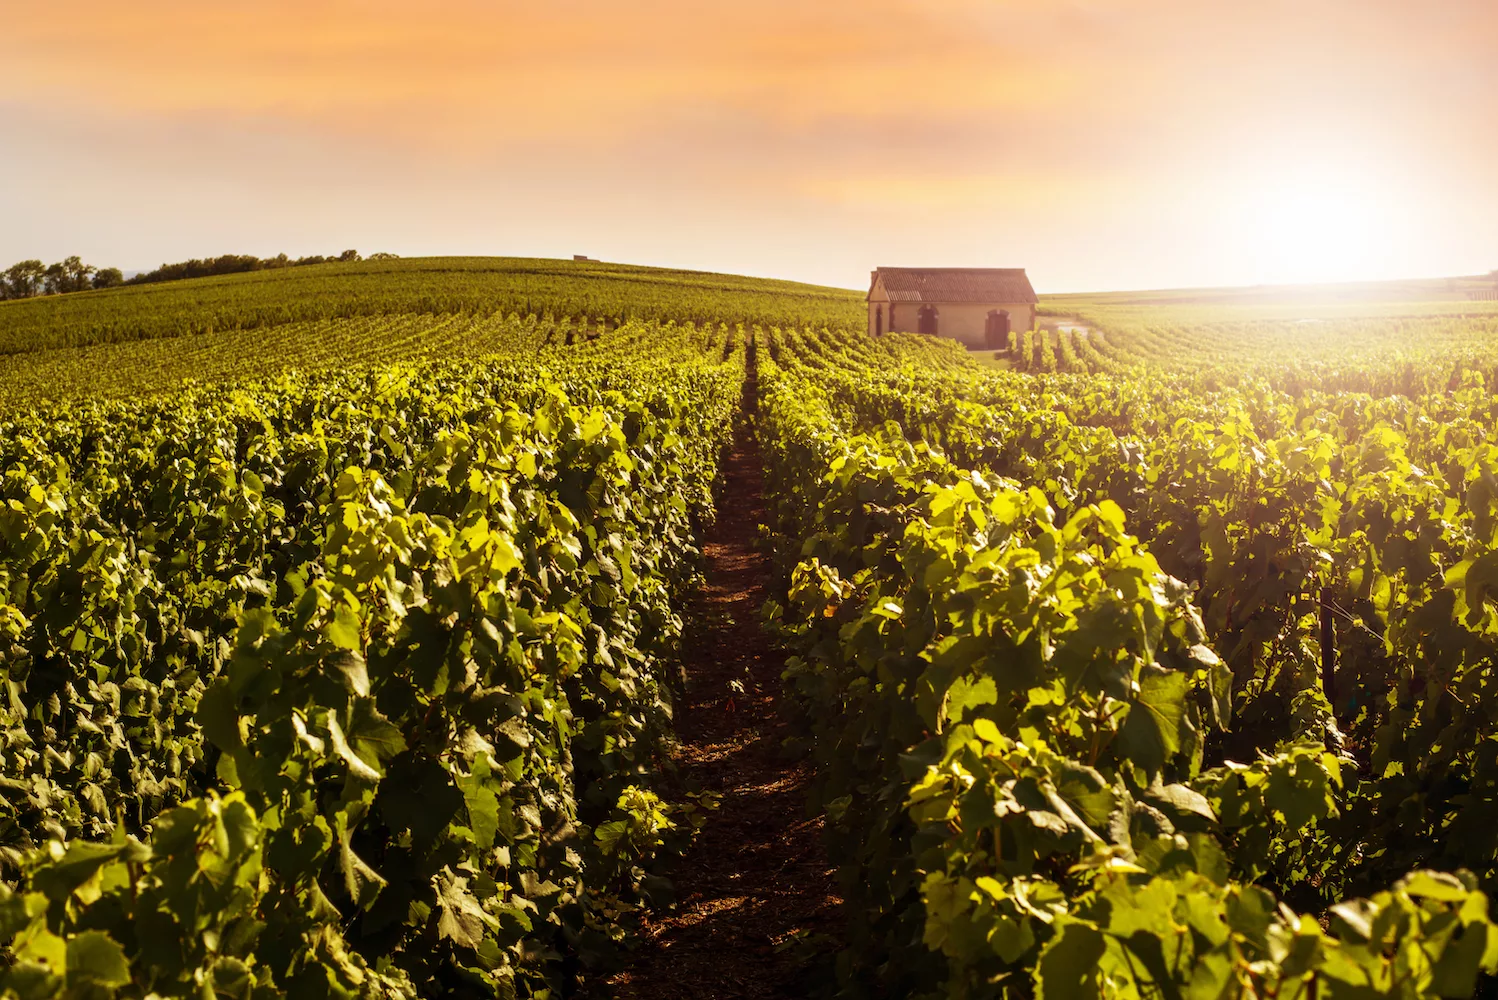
957 284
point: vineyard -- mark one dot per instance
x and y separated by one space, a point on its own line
431 286
343 614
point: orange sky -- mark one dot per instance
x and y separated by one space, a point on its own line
1130 143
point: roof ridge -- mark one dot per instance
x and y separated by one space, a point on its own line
983 269
954 284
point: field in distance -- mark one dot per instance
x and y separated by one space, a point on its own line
1418 297
1193 328
474 285
147 339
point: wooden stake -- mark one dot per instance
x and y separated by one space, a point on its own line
1328 652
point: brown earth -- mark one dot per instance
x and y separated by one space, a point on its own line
756 890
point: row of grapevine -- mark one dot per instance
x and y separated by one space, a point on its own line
1052 751
352 683
168 366
1158 341
431 286
1318 528
1051 351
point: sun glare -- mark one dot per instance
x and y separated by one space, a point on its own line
1316 223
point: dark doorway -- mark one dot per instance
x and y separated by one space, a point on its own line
996 330
926 320
878 320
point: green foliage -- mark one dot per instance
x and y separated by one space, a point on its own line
1034 762
193 912
470 286
337 640
412 624
1132 935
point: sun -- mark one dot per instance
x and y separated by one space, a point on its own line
1309 222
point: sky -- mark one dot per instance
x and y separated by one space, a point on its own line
1101 144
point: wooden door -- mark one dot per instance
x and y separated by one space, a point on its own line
996 329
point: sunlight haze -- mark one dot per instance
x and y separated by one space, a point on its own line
1099 144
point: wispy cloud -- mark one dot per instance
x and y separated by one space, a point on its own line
564 69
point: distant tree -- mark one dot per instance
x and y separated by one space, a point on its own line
382 255
30 277
54 280
80 275
70 275
24 279
229 263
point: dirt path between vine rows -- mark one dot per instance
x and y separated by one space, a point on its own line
756 889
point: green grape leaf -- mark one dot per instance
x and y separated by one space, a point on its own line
1152 732
95 959
1067 969
482 802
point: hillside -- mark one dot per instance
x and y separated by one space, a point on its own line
1408 298
478 286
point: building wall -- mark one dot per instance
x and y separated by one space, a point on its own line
878 302
964 321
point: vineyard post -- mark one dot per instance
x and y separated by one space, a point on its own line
1328 651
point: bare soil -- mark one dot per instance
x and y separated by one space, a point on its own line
756 890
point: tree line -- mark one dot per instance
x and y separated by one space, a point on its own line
29 278
26 278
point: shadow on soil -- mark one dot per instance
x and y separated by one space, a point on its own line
756 894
